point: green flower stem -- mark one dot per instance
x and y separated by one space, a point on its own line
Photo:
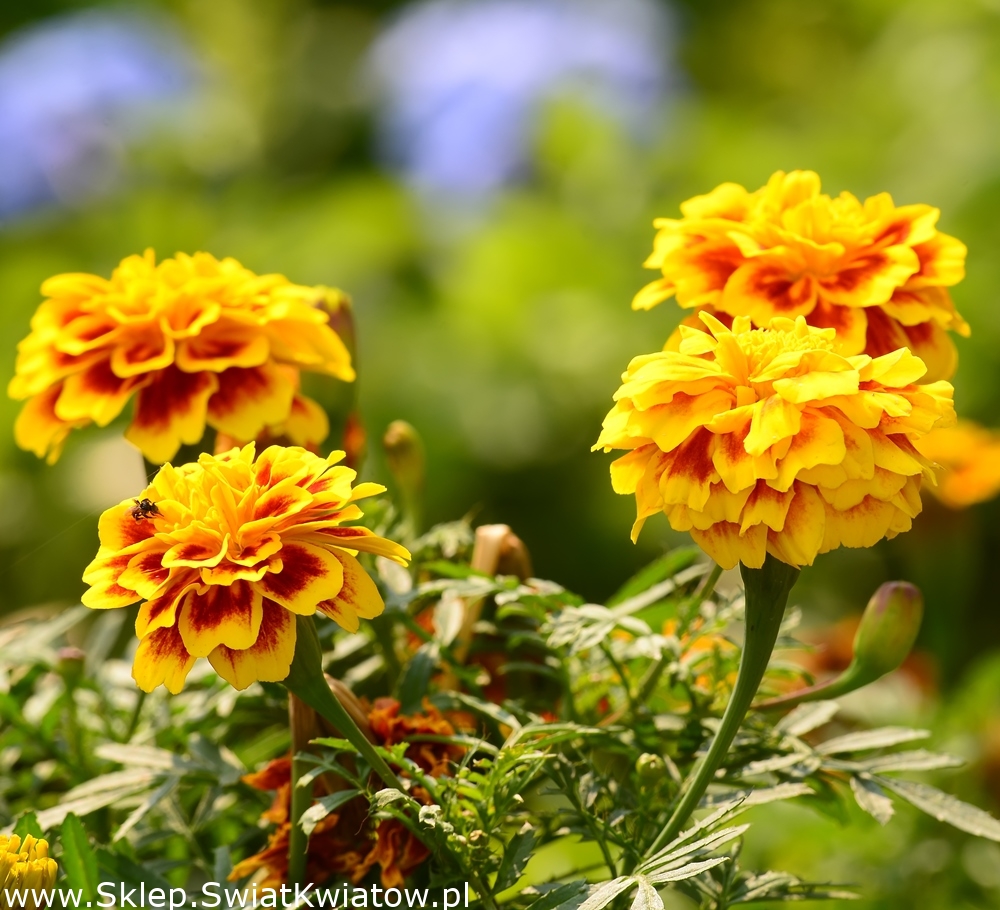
306 680
767 592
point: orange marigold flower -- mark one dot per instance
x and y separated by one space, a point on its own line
969 460
770 441
226 552
876 272
343 843
196 339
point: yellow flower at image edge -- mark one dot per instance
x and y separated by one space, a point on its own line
769 441
968 456
24 866
234 549
875 272
196 340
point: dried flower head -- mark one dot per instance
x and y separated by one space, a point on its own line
195 339
876 272
770 441
235 549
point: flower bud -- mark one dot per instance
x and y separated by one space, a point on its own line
888 629
650 767
405 456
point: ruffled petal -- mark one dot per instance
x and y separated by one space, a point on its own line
170 411
268 659
162 660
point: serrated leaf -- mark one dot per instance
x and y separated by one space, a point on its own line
605 893
668 860
144 757
96 794
136 815
914 760
563 897
78 859
690 870
737 802
387 796
881 738
808 717
27 823
662 568
944 807
646 897
115 867
515 858
324 806
871 797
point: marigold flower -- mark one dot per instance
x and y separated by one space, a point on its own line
770 441
231 551
968 456
195 339
876 272
342 843
24 867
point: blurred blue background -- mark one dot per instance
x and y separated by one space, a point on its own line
481 176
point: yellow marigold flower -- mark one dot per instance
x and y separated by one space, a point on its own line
226 552
24 867
876 272
195 339
969 460
771 441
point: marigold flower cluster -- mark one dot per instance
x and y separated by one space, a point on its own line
969 460
772 441
195 340
343 843
228 552
875 272
24 867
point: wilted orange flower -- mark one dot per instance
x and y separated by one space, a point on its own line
342 842
969 460
769 441
231 550
24 867
196 339
876 272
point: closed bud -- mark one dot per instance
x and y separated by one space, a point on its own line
404 454
650 767
888 629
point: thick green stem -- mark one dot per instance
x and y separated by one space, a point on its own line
767 592
306 680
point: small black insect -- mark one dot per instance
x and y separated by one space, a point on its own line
143 508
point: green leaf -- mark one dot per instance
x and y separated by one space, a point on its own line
689 870
27 823
389 795
881 738
605 893
115 867
562 897
413 681
665 566
807 717
914 760
646 897
945 808
515 858
324 806
871 797
78 860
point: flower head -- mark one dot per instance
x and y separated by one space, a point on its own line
769 440
343 842
195 339
24 867
233 549
876 272
968 457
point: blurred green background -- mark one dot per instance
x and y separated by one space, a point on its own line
495 315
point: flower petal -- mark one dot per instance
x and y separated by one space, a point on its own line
359 596
309 574
171 411
269 659
248 400
213 615
162 659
